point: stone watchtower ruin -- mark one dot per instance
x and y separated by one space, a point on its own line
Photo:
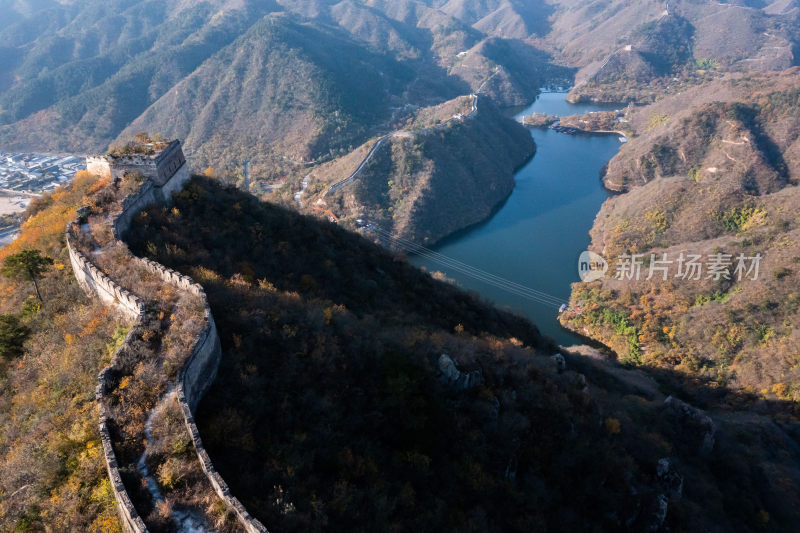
157 161
161 163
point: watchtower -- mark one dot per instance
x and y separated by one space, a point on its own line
157 161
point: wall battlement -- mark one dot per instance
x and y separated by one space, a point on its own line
95 281
200 368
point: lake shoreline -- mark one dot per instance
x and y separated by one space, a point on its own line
530 243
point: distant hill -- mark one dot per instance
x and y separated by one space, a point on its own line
84 71
503 18
241 80
438 176
713 170
656 48
693 129
282 87
618 44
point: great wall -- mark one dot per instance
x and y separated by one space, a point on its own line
164 172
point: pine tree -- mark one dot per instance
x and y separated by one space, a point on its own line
27 265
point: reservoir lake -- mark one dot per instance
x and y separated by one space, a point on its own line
535 238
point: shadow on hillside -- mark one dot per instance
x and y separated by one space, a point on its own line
224 230
232 233
328 408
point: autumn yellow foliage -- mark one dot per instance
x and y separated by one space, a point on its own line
52 473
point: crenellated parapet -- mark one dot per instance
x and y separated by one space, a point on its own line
200 366
194 379
95 281
131 521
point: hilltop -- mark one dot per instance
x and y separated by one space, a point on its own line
719 175
282 88
438 175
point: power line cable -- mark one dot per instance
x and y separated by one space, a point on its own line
473 272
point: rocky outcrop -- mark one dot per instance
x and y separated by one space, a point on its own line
669 478
697 418
454 377
660 513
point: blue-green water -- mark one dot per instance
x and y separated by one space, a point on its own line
535 238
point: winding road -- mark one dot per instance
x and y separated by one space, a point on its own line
298 196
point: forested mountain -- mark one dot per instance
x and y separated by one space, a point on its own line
270 82
274 77
434 177
359 394
88 69
52 471
282 87
619 45
714 170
